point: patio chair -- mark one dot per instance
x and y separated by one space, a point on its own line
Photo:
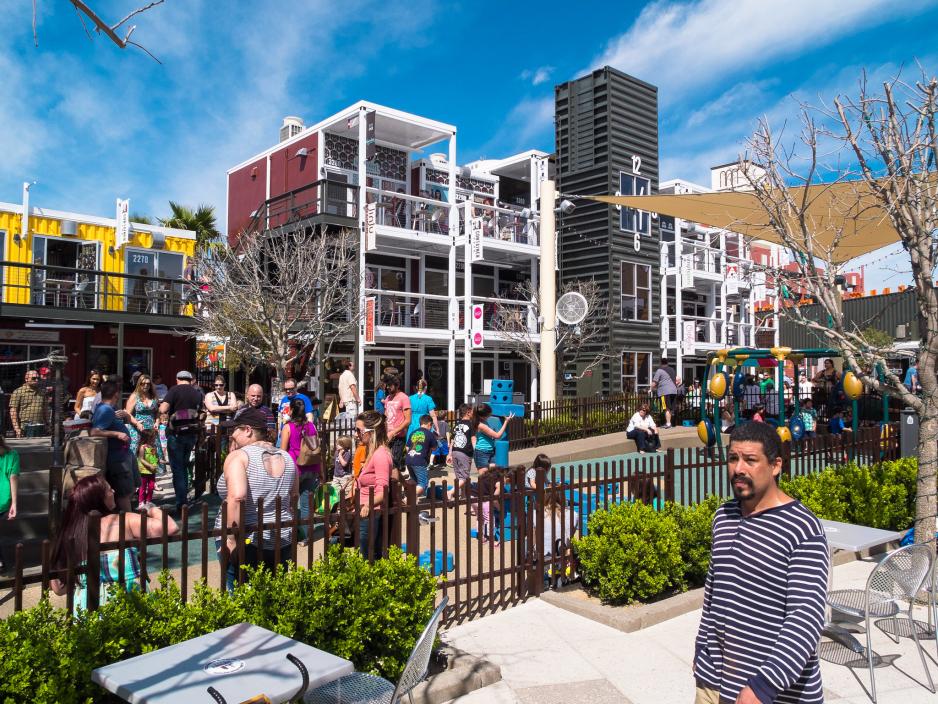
898 578
362 688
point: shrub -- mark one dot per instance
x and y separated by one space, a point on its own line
369 614
881 495
632 553
695 530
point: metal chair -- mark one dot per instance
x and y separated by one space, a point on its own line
898 578
362 688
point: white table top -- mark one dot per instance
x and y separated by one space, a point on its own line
240 662
847 536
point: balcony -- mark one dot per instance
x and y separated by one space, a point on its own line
327 201
700 332
34 290
700 261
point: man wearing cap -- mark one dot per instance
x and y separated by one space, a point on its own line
182 404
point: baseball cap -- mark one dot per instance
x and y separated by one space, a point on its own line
184 375
251 417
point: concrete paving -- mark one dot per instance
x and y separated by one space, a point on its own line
549 655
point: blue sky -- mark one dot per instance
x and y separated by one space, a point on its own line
91 123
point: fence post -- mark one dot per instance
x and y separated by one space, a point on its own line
412 517
55 470
93 562
669 475
536 412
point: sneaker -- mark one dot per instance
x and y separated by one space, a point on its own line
667 425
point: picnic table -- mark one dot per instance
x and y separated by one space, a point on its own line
230 665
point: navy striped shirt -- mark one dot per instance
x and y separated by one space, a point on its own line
764 605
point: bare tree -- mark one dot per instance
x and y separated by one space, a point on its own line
101 27
890 143
581 345
281 295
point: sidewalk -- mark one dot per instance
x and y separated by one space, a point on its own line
548 655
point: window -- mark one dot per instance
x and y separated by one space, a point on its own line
635 288
631 220
636 371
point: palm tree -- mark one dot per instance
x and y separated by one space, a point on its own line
201 221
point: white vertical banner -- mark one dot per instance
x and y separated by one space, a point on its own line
732 279
371 222
477 253
476 336
690 336
123 223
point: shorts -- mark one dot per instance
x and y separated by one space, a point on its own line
461 465
421 475
668 402
397 451
483 458
120 475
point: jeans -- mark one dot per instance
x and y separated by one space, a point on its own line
364 526
482 458
643 440
180 449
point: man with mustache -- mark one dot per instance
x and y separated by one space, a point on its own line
764 599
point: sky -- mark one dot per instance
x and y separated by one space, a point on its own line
90 122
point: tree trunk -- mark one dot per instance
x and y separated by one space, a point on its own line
925 503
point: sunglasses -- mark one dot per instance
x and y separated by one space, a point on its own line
362 431
219 385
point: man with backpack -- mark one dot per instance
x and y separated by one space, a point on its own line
182 405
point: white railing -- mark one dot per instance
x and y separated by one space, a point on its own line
411 310
509 315
505 223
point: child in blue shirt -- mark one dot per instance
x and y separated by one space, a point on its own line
421 443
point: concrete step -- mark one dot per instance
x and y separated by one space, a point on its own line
34 480
32 501
28 525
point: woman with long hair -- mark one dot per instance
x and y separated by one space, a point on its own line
256 470
71 546
487 432
375 478
292 436
84 399
142 408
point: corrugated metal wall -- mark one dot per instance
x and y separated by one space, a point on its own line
886 313
602 120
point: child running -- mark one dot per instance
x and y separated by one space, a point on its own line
147 463
462 448
421 442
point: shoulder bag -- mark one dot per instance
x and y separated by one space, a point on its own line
310 449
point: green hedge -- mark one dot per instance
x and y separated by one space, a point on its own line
635 553
881 495
369 614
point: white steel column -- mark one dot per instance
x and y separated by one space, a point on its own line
533 314
678 289
453 307
362 183
723 302
548 294
467 301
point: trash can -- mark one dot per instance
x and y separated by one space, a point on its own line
908 432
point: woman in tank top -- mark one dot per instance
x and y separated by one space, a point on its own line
256 470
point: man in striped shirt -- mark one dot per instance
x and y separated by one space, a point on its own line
764 600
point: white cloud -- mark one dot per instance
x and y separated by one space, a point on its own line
538 75
742 96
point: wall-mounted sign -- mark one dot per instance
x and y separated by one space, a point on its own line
371 222
371 146
732 279
690 336
369 336
123 223
475 240
29 336
477 311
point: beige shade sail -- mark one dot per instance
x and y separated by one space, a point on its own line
844 220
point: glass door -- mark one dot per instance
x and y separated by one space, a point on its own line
86 284
139 262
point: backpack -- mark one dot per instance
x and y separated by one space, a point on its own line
85 456
184 421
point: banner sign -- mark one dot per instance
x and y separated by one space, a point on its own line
369 336
370 144
475 334
475 240
732 279
123 223
371 222
690 336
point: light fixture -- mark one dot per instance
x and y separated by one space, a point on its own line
566 207
17 238
71 326
302 152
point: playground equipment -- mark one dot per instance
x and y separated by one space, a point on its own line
501 402
725 374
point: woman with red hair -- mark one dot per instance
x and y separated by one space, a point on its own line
71 546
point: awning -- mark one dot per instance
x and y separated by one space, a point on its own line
848 210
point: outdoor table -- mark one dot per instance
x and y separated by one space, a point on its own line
847 536
226 666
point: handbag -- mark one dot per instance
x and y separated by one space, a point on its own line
310 449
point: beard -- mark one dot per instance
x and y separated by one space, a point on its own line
742 492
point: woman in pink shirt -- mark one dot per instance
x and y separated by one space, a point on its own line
375 477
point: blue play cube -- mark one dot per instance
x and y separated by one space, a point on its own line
501 451
497 397
503 385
